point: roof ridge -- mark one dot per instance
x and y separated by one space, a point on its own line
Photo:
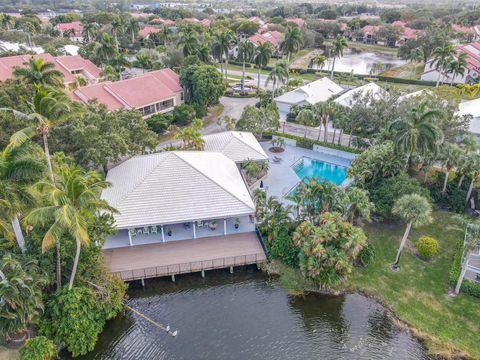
209 178
140 182
243 142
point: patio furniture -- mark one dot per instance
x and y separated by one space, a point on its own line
139 231
200 224
132 232
186 226
277 159
212 225
146 231
153 230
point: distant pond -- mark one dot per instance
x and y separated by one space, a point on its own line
362 62
249 316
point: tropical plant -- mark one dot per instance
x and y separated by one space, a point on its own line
416 211
278 75
116 28
72 201
106 47
144 61
319 60
246 51
472 90
324 111
132 27
191 136
441 59
38 72
327 251
19 167
259 120
251 168
222 41
427 247
271 214
416 132
278 142
306 117
21 284
189 41
339 44
357 204
474 159
38 348
457 66
449 156
263 54
292 41
7 21
90 30
415 56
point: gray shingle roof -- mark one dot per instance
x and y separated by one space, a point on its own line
176 187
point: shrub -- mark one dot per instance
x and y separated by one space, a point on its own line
200 110
308 143
281 246
366 255
427 247
384 194
159 123
37 348
183 114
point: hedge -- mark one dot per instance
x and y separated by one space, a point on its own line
468 287
308 143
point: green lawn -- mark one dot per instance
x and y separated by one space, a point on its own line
8 354
418 292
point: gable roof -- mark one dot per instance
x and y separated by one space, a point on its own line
471 107
76 26
176 187
147 30
313 93
349 98
273 37
136 92
236 145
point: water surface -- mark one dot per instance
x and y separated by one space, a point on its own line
248 316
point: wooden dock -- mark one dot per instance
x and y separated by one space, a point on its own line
185 256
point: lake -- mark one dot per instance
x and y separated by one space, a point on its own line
246 315
362 62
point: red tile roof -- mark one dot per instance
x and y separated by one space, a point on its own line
76 26
65 64
273 37
461 29
137 92
300 22
473 54
147 30
370 29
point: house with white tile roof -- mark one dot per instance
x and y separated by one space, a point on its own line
350 97
238 146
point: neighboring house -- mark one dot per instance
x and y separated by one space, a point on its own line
465 32
153 92
298 21
69 66
473 66
317 91
407 33
257 20
350 97
476 32
147 30
204 22
273 37
179 212
369 34
161 21
471 108
236 145
75 28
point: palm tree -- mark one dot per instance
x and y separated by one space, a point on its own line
48 109
339 44
246 50
144 61
116 28
19 167
292 42
278 75
189 41
252 168
416 132
203 53
306 117
441 59
106 47
457 66
90 31
415 56
416 211
474 159
222 41
133 27
358 203
191 136
319 60
325 110
263 54
38 72
72 200
8 21
449 156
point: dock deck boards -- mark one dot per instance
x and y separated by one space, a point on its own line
184 256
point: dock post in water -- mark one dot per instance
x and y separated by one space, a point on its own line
203 273
143 282
231 269
173 277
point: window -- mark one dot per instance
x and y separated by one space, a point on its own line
181 96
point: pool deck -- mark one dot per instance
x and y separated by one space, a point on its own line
281 178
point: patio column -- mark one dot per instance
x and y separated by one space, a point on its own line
194 230
129 237
163 234
224 226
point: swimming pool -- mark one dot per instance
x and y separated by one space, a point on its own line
307 167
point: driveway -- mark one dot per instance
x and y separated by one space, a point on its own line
233 107
254 81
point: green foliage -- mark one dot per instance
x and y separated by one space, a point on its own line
367 254
468 287
327 251
73 318
385 192
281 246
259 120
183 114
427 247
203 83
159 123
38 348
307 143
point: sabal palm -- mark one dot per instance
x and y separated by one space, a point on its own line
324 111
457 66
38 72
19 167
441 58
319 60
106 47
73 201
246 51
278 75
189 41
263 54
222 41
292 41
416 132
339 44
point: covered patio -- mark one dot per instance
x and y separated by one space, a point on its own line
178 257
